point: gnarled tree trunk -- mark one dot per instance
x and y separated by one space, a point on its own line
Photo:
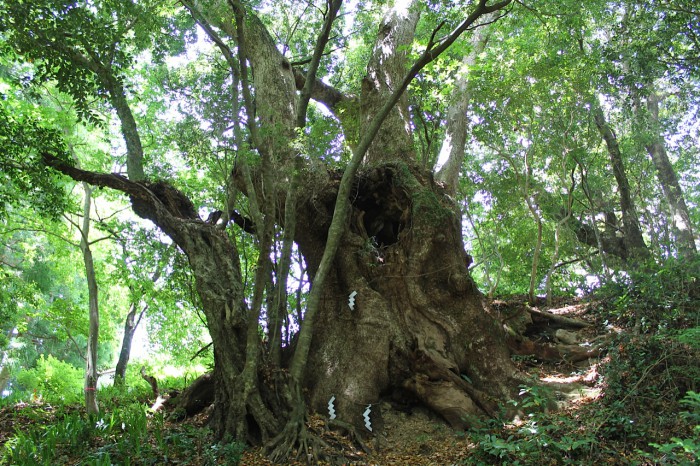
416 326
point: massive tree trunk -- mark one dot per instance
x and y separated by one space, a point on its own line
399 278
400 315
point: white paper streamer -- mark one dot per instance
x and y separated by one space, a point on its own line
351 300
331 407
366 414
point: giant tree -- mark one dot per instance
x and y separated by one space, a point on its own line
392 309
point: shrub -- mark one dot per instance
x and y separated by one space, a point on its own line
684 450
540 439
657 297
54 380
650 371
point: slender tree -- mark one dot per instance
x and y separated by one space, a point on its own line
636 249
91 374
666 174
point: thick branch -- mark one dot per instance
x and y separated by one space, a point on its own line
117 97
103 180
324 93
385 70
633 235
452 151
275 92
145 202
245 223
669 181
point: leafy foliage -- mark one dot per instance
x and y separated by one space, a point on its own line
536 185
54 380
659 297
539 439
25 178
127 435
52 34
619 431
685 450
656 369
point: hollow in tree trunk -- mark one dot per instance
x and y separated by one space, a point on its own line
416 327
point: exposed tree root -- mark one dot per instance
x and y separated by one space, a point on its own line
350 430
558 320
296 441
315 439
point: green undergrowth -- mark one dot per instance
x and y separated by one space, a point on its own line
658 299
649 409
129 435
126 432
647 414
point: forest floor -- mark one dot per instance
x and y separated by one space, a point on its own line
417 437
580 430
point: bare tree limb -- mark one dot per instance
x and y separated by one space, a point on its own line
323 93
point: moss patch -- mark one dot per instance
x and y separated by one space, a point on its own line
428 209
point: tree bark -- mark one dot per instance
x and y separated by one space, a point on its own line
385 72
451 157
134 148
417 315
391 210
130 325
4 376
